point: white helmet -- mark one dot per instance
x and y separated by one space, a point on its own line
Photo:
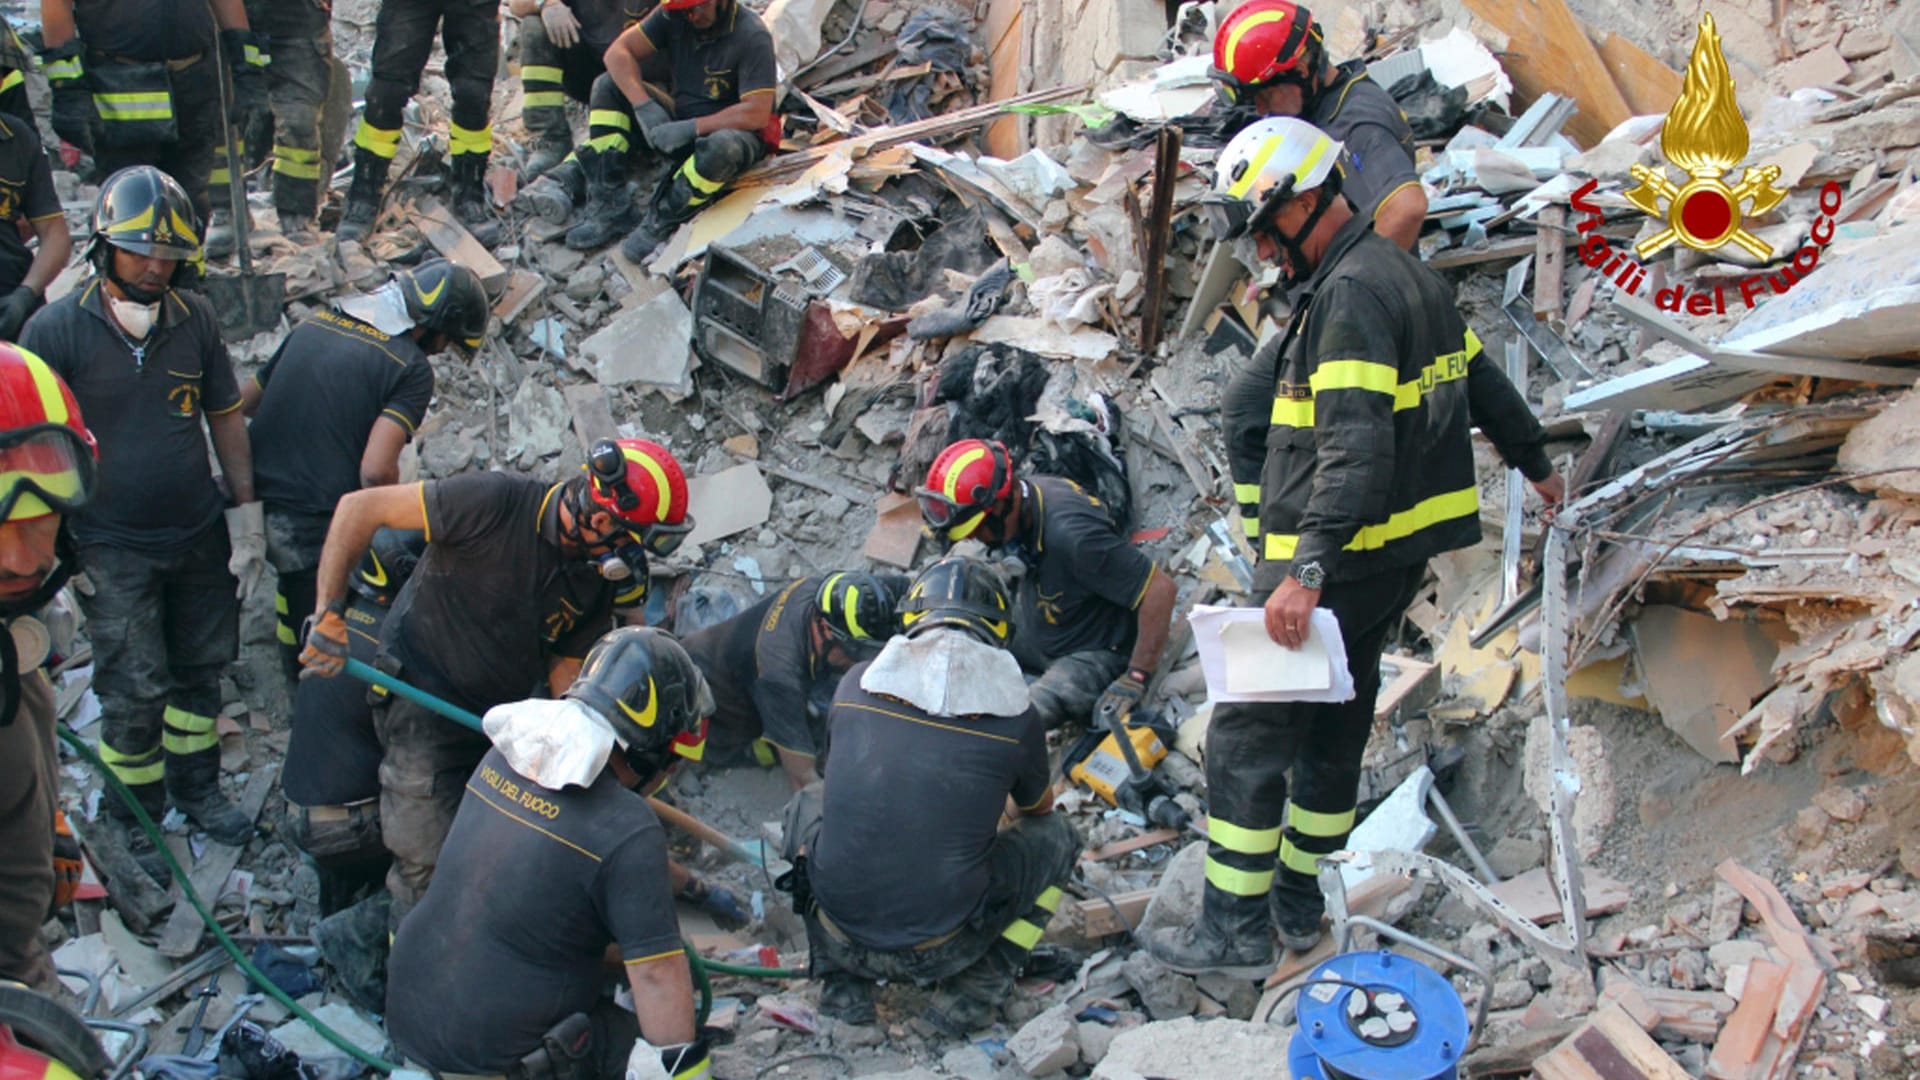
1269 162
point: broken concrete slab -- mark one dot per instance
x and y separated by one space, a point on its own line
1887 441
895 536
1702 674
1047 1043
728 502
648 344
1532 895
1040 336
1823 66
1862 304
1192 1049
299 1037
536 421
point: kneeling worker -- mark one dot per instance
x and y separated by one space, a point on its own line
909 876
553 876
765 661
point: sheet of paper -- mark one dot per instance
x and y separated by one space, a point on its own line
1257 664
1208 623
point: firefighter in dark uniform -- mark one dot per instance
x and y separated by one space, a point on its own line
504 974
1093 610
134 83
519 579
298 36
722 69
908 875
1369 474
15 62
27 196
148 366
331 776
764 662
336 403
47 460
403 39
561 54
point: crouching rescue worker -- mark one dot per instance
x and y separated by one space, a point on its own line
336 403
908 875
1094 611
554 881
765 662
1369 474
562 54
519 579
721 98
147 364
46 472
332 772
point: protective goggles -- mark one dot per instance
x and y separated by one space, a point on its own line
663 539
44 469
1232 91
953 519
1229 218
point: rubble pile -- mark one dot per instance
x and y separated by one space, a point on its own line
982 224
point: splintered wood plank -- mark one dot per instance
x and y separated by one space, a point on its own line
1650 87
1610 1046
1747 1029
452 240
181 937
1548 52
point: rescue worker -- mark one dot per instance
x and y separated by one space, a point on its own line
504 974
1272 55
1093 611
561 55
723 76
15 62
47 461
27 196
519 579
906 873
402 39
1369 474
337 402
331 776
765 661
299 38
134 84
146 362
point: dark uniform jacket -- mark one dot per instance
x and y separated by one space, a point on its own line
1368 122
1369 455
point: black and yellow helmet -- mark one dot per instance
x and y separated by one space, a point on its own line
447 298
963 593
388 563
647 687
143 210
858 607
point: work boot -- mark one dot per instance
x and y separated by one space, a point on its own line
471 207
363 196
641 243
847 998
610 210
126 832
354 943
299 228
970 1000
550 148
551 198
216 816
220 235
1196 948
1297 927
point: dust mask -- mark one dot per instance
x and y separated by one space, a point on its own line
135 319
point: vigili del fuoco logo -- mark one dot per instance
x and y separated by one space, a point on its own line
1706 137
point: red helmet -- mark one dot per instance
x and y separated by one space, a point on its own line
967 480
643 487
47 455
681 5
1263 42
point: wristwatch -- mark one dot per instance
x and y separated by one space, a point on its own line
1309 574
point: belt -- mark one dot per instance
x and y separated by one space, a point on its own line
839 935
181 64
320 814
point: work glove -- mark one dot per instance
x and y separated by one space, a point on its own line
685 1061
68 866
650 114
247 529
247 57
15 307
563 28
325 653
1122 696
74 113
672 138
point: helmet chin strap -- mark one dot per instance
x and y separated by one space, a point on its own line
134 292
1290 245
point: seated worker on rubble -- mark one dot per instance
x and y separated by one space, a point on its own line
902 871
553 879
717 120
562 54
1093 610
331 777
764 662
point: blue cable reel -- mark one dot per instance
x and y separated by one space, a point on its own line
1382 1016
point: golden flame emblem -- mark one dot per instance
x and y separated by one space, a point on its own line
1706 136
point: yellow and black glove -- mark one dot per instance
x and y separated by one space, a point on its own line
326 652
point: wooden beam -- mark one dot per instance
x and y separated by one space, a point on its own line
1549 265
1131 844
181 937
1548 51
1649 86
1159 227
452 240
1097 918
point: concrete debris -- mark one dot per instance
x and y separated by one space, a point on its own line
1047 1044
644 345
1193 1049
728 502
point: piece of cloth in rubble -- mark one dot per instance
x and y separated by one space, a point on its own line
897 280
556 744
995 388
948 672
938 40
384 309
